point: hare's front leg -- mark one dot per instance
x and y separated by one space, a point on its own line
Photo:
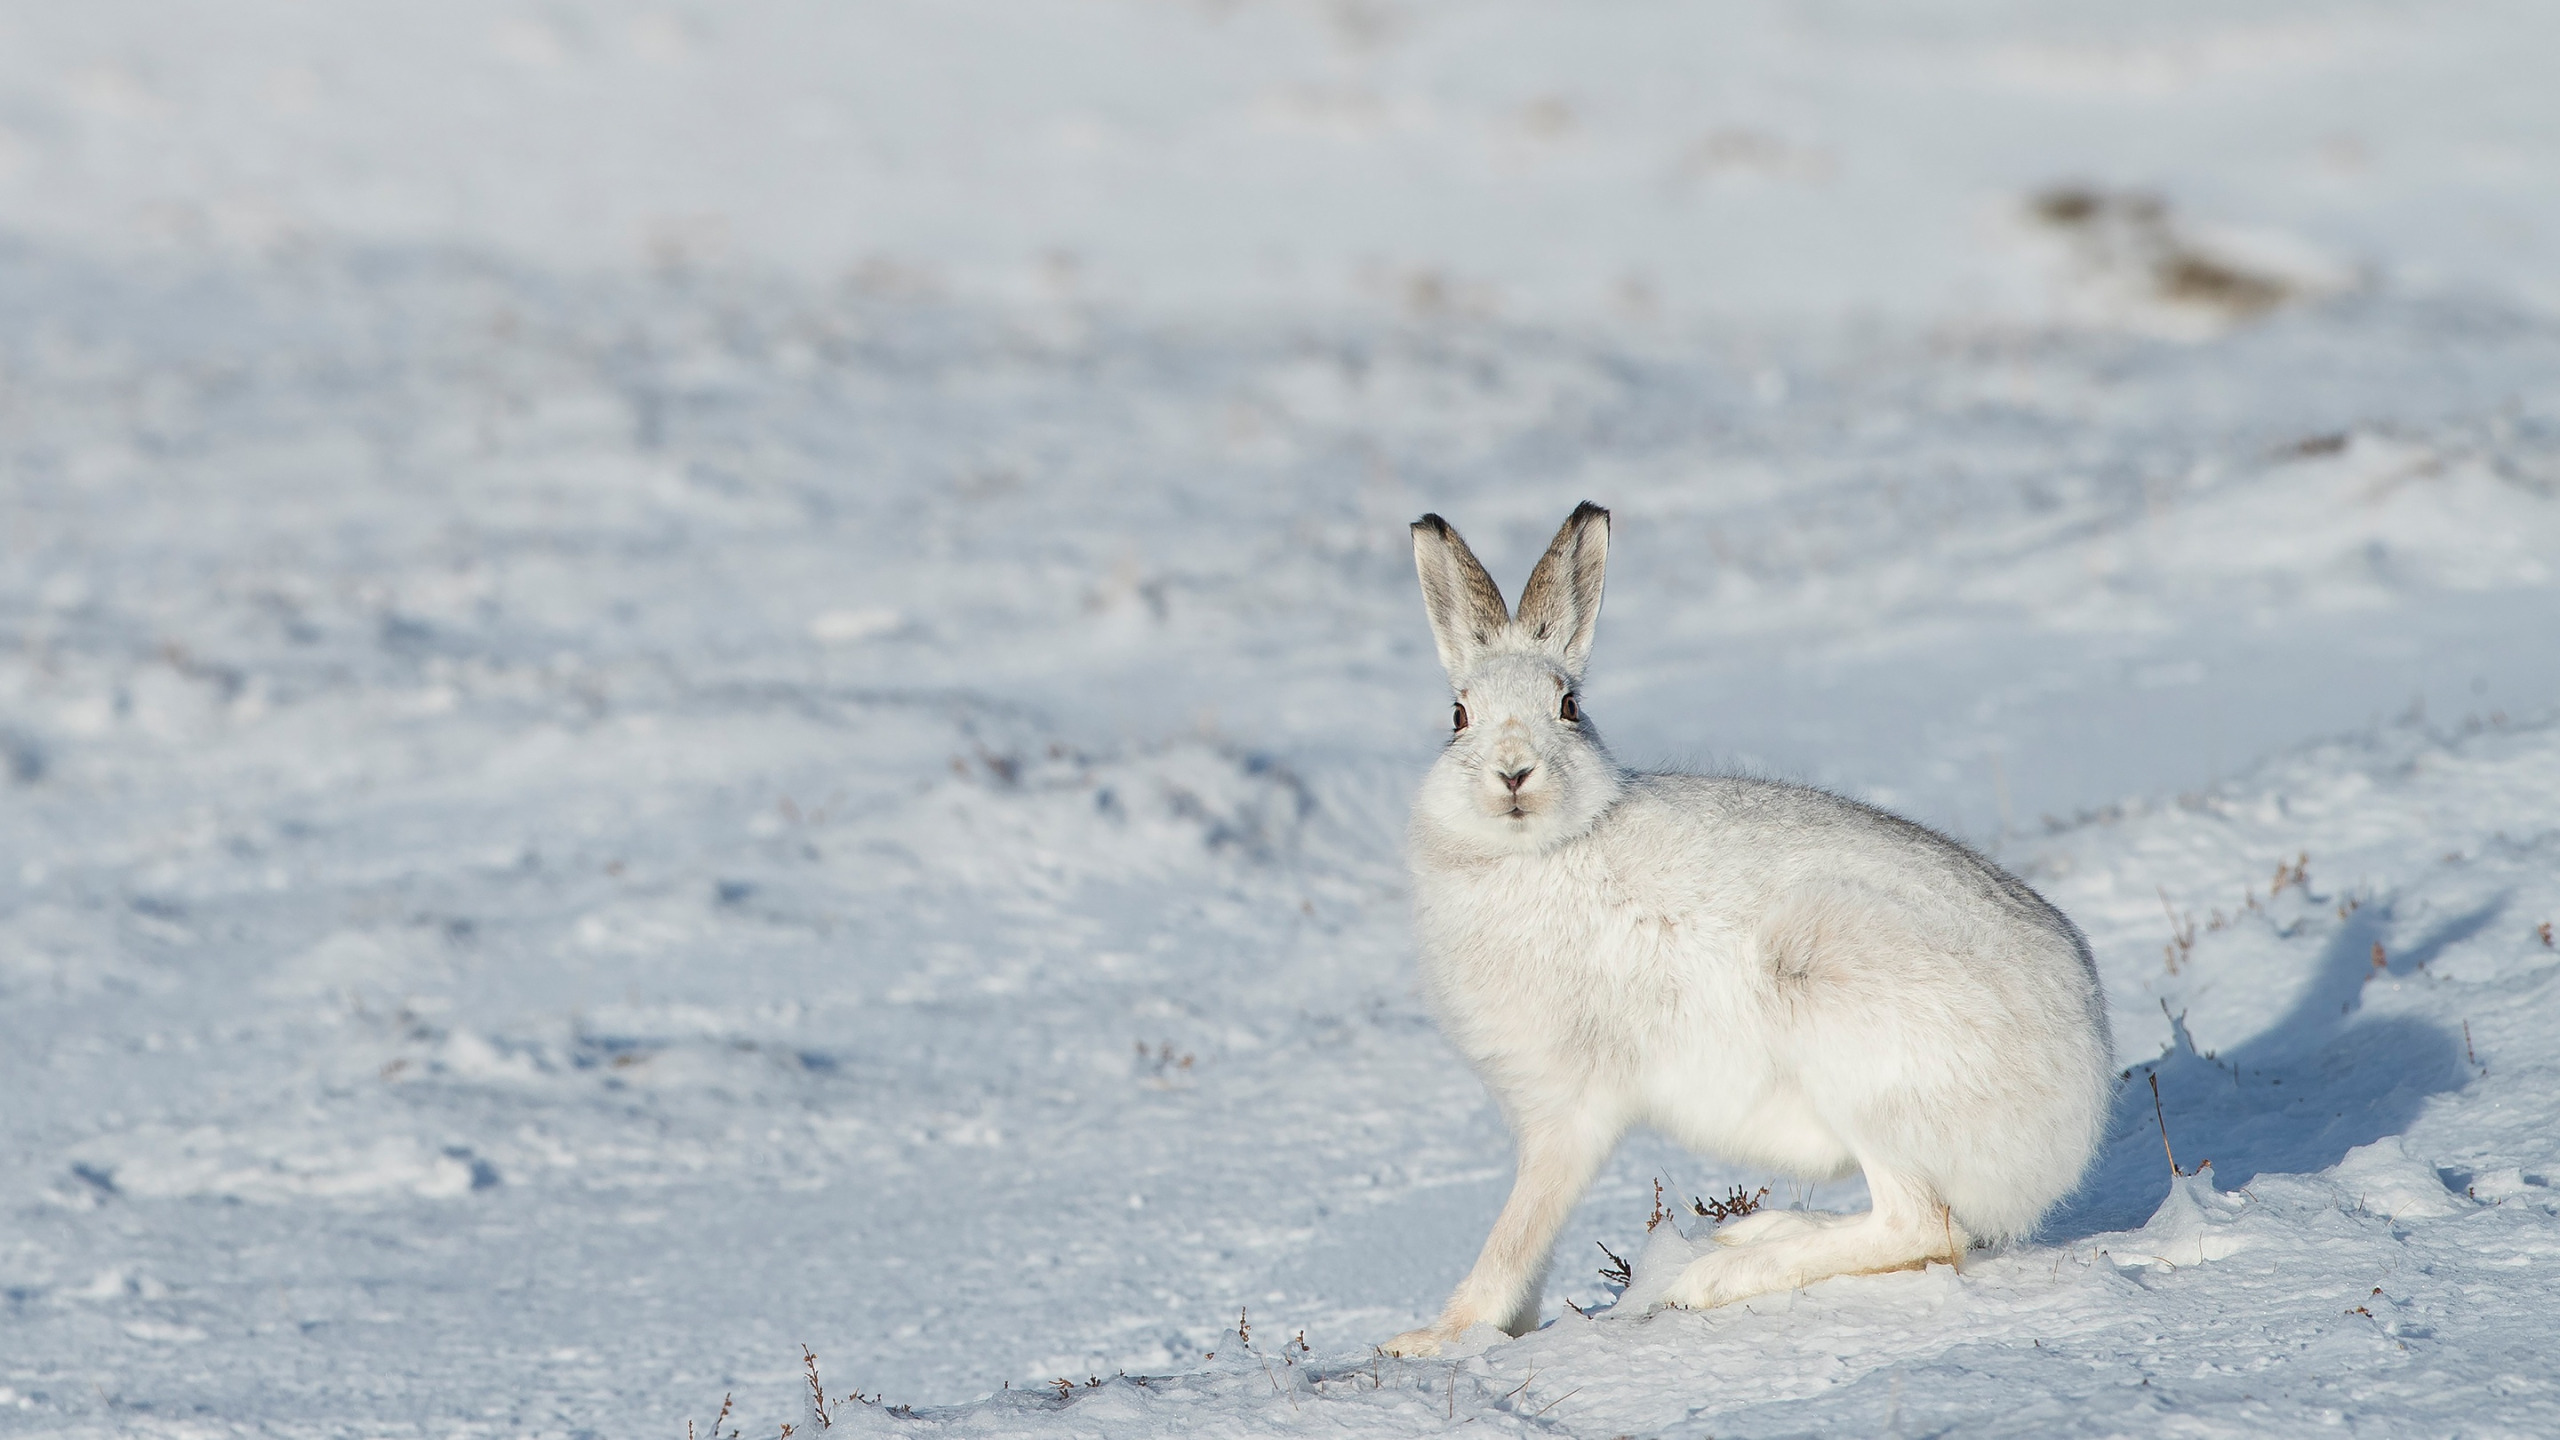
1557 1159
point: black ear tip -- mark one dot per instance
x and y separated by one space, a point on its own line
1432 523
1588 511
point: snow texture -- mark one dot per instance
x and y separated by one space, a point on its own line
680 682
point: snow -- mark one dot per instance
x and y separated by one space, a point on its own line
690 681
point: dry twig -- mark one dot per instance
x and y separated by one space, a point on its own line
1734 1205
817 1392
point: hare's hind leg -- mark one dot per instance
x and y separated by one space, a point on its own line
1762 1226
1557 1160
1907 1229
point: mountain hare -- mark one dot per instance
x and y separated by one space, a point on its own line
1793 981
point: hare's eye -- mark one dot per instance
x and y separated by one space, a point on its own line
1458 717
1571 709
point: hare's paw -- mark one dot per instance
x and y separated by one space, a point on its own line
1415 1344
1726 1276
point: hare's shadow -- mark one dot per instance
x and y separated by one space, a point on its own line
2293 1099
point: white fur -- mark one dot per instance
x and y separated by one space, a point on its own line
1790 980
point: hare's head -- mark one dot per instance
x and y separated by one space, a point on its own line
1524 769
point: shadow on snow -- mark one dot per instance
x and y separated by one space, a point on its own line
2292 1100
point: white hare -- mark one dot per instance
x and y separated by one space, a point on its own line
1793 981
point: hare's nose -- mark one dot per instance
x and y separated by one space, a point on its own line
1514 779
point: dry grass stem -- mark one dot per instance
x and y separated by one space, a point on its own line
2162 1115
2182 934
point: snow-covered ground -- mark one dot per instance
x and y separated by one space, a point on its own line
684 682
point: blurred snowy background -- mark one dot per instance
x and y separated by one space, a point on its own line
678 681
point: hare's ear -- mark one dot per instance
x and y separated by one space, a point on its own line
1561 607
1465 605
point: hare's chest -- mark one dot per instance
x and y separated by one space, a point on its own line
1521 963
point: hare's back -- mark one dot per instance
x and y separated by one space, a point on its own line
1758 846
